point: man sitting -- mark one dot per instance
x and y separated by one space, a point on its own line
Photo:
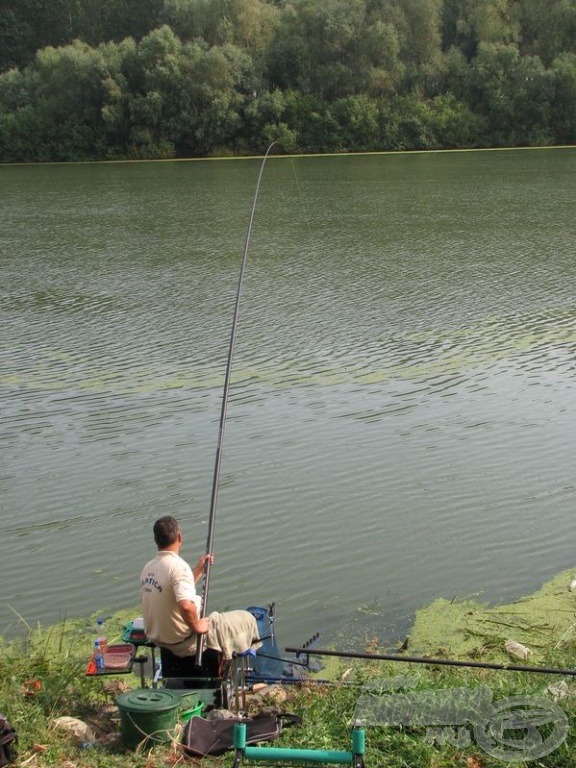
172 609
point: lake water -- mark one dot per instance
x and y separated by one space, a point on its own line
401 423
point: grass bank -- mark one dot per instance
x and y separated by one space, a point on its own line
42 678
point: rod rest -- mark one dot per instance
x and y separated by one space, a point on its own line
354 758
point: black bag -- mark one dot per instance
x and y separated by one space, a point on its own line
8 738
203 737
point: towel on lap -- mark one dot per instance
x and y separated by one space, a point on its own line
232 632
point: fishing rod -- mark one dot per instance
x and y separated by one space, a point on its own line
443 662
216 477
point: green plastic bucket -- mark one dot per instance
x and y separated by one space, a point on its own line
148 715
195 711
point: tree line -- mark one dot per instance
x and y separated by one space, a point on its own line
105 79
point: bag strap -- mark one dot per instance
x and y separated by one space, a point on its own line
288 719
7 736
283 719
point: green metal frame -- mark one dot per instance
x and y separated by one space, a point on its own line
354 758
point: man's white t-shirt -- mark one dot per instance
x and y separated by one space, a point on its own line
164 581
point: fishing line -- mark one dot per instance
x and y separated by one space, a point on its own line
218 461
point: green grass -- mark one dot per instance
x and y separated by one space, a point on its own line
42 677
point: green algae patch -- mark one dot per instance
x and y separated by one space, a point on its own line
460 629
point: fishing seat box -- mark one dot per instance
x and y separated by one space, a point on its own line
210 681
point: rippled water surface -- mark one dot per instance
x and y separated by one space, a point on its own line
401 421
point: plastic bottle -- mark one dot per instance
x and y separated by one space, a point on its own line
102 636
98 656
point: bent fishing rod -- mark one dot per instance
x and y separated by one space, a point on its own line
217 464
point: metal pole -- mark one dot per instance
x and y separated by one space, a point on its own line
212 518
443 662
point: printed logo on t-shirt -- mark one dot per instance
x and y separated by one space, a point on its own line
150 583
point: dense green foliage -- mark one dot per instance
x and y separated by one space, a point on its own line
87 79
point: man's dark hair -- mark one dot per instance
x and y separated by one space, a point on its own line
166 531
